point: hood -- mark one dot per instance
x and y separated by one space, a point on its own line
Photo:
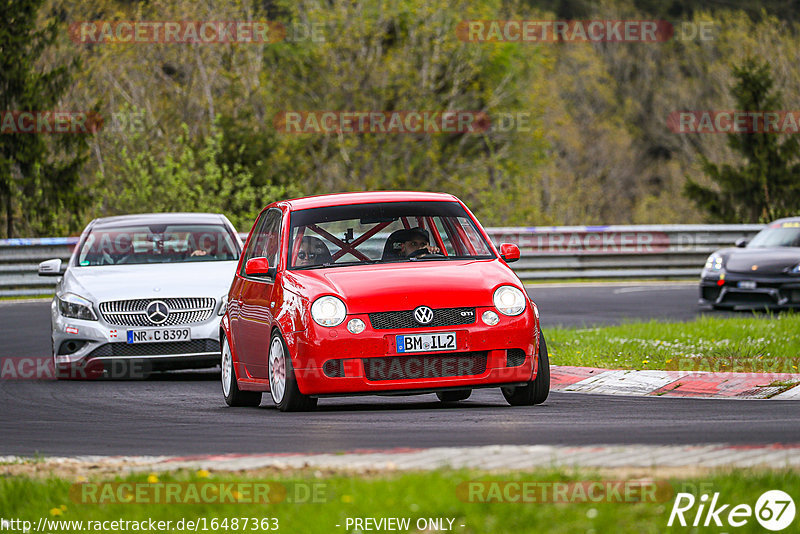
765 260
404 286
163 280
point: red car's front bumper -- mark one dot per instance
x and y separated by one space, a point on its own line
330 361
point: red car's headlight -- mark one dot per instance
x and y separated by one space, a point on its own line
328 311
509 300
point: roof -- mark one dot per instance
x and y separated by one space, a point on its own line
160 218
778 222
367 197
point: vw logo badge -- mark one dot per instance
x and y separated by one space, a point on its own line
157 312
423 315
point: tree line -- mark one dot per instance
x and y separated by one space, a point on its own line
579 131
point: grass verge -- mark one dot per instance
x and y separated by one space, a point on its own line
318 503
747 344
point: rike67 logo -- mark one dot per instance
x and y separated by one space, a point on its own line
774 510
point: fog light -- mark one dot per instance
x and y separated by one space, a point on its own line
491 318
356 326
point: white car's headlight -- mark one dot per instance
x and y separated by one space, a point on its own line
328 311
75 307
795 269
509 300
223 304
714 263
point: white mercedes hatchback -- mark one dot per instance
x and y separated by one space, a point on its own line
142 293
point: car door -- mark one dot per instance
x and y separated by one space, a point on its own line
253 324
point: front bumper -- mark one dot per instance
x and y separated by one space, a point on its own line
332 361
78 342
743 291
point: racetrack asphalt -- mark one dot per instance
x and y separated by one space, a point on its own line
184 413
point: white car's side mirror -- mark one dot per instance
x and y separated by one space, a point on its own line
50 268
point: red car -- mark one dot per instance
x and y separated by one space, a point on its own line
377 293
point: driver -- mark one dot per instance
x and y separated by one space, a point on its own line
415 239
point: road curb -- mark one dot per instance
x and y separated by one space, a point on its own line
700 384
490 458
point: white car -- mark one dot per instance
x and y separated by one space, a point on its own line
143 293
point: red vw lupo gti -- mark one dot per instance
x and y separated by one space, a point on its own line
377 293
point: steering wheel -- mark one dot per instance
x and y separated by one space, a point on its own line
424 252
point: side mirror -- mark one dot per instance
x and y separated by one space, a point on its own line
258 267
509 252
741 242
50 268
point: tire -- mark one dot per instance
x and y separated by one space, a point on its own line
230 388
282 382
454 396
536 391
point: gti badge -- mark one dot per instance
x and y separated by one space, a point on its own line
423 315
157 312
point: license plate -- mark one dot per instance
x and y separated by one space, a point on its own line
159 335
426 342
747 284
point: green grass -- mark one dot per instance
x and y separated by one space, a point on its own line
747 344
415 495
27 297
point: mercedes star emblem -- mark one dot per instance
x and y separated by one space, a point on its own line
157 312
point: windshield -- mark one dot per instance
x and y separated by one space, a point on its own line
158 243
786 234
384 232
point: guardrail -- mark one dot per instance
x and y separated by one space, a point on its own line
548 253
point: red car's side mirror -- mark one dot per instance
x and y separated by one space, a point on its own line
509 252
257 267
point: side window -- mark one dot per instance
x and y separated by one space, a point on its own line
272 237
265 241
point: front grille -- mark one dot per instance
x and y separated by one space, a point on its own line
427 366
515 357
738 298
405 319
132 350
181 311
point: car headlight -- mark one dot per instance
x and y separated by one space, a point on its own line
509 300
714 263
223 304
328 311
75 307
795 269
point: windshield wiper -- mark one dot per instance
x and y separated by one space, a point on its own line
332 264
